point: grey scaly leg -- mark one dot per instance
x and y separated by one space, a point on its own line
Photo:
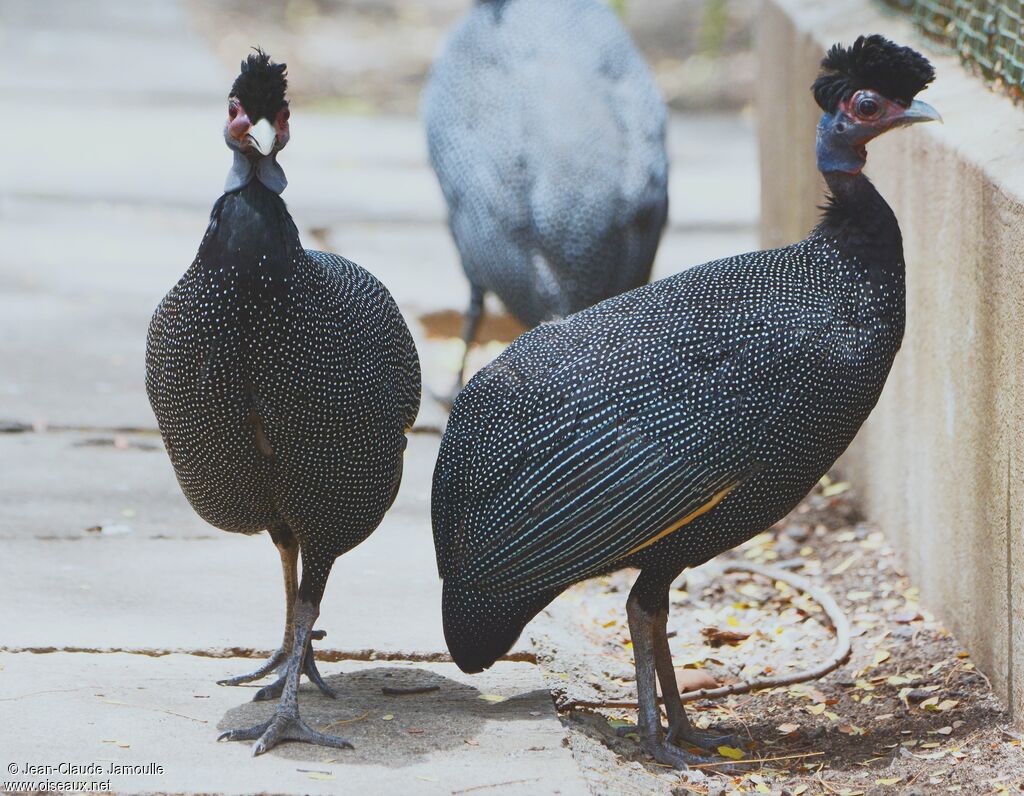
286 724
680 728
288 548
642 631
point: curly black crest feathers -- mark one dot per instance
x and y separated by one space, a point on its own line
261 86
873 62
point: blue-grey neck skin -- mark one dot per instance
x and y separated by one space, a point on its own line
840 145
266 169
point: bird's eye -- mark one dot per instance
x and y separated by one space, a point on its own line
232 110
868 107
284 115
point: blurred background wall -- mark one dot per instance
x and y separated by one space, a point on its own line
374 54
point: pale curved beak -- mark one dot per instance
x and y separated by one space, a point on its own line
263 136
918 112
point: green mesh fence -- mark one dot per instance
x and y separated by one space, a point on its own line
987 34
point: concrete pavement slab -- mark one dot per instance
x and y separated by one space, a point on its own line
78 485
104 51
72 361
150 583
214 595
495 731
73 485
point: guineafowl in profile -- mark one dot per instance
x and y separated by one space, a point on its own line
547 134
284 382
666 425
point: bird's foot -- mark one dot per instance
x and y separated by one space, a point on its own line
687 734
274 662
690 735
671 755
275 689
283 727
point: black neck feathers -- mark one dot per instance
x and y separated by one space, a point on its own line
252 236
863 225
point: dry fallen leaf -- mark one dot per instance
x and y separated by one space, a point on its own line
731 752
492 697
717 637
788 728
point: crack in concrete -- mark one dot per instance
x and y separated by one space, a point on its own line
8 426
90 535
322 655
314 230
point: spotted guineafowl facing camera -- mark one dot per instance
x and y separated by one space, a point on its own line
666 425
284 382
547 134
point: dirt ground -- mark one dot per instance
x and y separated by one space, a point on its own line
368 56
908 713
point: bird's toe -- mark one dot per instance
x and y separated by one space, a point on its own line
292 728
245 733
671 755
310 670
272 664
702 740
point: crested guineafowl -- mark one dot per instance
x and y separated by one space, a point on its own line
547 135
284 382
671 423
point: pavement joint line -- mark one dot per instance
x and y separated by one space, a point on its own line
162 203
8 426
390 220
322 655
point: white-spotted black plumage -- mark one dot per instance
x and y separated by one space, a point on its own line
547 134
666 425
284 382
587 438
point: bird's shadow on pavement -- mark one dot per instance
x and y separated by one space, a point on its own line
392 730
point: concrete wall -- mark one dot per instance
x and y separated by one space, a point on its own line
941 460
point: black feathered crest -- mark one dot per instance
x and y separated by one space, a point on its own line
873 62
261 86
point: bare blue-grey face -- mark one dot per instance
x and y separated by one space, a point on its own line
842 135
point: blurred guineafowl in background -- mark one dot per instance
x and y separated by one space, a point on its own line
283 381
663 426
547 134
